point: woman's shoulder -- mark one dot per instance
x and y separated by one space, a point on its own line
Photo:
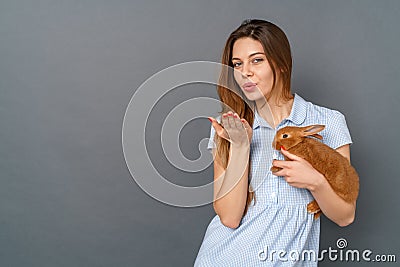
322 112
336 132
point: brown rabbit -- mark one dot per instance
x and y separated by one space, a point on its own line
337 169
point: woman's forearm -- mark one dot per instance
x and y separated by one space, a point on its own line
333 206
230 189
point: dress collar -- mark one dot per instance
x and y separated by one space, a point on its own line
297 115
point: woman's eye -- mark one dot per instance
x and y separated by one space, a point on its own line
256 60
284 136
236 64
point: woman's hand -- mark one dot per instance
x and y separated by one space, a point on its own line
233 129
298 172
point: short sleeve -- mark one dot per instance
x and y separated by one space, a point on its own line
211 142
337 132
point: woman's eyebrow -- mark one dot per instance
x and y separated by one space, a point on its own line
256 53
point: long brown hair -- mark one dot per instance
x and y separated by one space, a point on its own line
277 50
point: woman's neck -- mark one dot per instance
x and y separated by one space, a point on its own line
274 110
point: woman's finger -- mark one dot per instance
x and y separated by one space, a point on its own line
238 123
215 124
218 128
231 119
282 163
245 124
225 120
280 172
290 155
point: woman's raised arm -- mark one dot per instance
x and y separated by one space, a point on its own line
231 183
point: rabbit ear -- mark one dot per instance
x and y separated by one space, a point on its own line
317 136
313 130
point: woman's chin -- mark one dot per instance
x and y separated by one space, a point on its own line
252 96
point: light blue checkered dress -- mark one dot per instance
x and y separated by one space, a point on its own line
278 220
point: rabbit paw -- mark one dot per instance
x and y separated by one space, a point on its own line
275 169
313 208
316 215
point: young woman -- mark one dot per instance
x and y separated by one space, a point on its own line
262 218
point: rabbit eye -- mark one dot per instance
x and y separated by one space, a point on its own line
285 136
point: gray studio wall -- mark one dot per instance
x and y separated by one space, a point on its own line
68 70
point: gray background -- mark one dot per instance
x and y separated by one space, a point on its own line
68 70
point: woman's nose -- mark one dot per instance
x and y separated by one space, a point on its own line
247 70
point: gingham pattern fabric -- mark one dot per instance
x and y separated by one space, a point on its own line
278 219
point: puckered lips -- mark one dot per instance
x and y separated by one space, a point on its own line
249 86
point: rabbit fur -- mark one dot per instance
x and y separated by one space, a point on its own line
337 169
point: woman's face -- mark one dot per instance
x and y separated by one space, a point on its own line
252 70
